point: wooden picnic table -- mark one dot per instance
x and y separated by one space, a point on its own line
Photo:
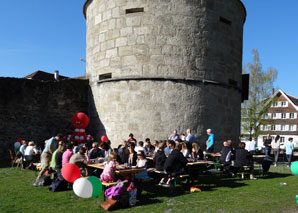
260 156
119 170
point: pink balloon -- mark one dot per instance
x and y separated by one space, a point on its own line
71 172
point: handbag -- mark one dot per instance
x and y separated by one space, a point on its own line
108 204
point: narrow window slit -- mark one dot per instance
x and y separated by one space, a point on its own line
224 20
134 10
105 76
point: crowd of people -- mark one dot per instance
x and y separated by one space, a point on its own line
273 144
169 156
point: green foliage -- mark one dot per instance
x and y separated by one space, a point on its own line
261 85
220 193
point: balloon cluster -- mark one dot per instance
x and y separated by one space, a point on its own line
79 121
17 144
87 187
82 187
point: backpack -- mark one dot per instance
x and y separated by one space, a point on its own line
132 195
115 191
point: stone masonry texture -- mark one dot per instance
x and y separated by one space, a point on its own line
37 110
189 40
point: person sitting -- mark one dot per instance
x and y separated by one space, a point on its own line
160 158
149 149
140 147
116 153
29 152
174 164
243 158
142 163
131 156
122 149
168 148
96 153
58 158
156 146
174 136
81 159
131 139
67 154
190 138
185 150
106 147
226 155
196 153
23 148
107 176
76 147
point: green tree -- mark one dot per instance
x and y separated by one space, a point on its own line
261 85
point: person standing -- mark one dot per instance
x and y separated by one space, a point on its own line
210 141
275 146
289 150
252 146
267 144
46 156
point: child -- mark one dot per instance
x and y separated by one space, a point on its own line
107 175
142 163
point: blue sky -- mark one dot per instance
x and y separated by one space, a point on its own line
50 35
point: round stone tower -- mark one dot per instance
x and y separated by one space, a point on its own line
159 65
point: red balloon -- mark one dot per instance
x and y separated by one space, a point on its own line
71 172
104 139
80 120
19 140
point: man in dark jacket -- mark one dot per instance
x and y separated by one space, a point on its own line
160 157
243 158
174 164
226 155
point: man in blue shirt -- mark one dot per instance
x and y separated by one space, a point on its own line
210 141
46 156
169 147
23 147
190 137
174 136
289 150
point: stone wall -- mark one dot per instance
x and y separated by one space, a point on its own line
36 110
172 64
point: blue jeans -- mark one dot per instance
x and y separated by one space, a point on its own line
267 152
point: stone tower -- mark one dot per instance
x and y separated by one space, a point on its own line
159 65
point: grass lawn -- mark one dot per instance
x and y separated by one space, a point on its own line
219 194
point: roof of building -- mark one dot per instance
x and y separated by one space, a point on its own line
43 76
293 100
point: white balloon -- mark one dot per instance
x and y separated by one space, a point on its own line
83 188
82 130
77 130
77 137
82 138
17 144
